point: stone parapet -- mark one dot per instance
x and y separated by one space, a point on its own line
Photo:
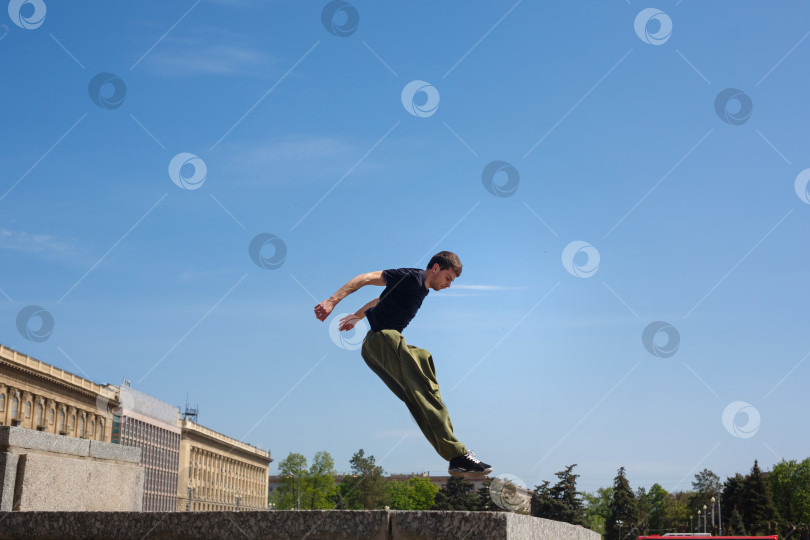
289 525
44 471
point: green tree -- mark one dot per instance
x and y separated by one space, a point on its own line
597 509
291 469
562 501
644 507
349 496
622 508
487 503
705 486
416 493
758 511
424 493
656 511
399 495
676 513
318 491
790 485
456 495
732 495
546 505
735 524
365 487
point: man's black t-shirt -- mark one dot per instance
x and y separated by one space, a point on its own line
404 291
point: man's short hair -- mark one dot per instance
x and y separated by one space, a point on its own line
445 260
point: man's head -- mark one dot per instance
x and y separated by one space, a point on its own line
442 269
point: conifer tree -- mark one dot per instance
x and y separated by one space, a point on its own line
735 524
562 501
758 511
622 508
456 495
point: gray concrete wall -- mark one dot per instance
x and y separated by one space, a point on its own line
44 471
289 525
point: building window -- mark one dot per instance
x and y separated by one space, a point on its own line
15 403
61 420
39 414
28 409
92 427
81 426
72 422
50 417
2 402
100 430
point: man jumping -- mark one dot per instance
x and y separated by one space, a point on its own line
407 370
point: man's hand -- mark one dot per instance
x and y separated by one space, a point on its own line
323 309
348 322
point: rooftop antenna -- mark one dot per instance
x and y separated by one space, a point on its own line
191 413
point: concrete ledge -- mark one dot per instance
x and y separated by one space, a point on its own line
44 471
117 452
289 525
23 438
64 483
483 526
8 478
18 439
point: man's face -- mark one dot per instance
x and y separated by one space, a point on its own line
442 279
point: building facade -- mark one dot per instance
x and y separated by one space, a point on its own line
40 396
152 425
187 466
218 472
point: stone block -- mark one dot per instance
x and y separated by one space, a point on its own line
49 482
45 471
449 525
289 525
8 476
118 452
532 528
12 437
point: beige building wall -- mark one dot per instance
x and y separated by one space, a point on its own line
40 396
216 469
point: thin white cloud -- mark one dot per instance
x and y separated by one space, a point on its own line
242 3
36 243
397 433
487 288
298 150
293 159
209 51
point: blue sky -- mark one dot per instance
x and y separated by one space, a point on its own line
686 210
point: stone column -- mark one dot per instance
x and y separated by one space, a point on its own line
6 412
50 404
40 422
71 421
27 406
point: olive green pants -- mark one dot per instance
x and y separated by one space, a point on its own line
409 372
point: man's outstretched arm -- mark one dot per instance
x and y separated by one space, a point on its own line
323 309
348 322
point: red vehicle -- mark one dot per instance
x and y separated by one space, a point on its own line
707 537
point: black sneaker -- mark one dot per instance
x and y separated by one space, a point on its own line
468 465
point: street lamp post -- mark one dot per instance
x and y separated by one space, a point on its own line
720 517
713 501
190 496
698 523
237 502
691 527
619 523
705 516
